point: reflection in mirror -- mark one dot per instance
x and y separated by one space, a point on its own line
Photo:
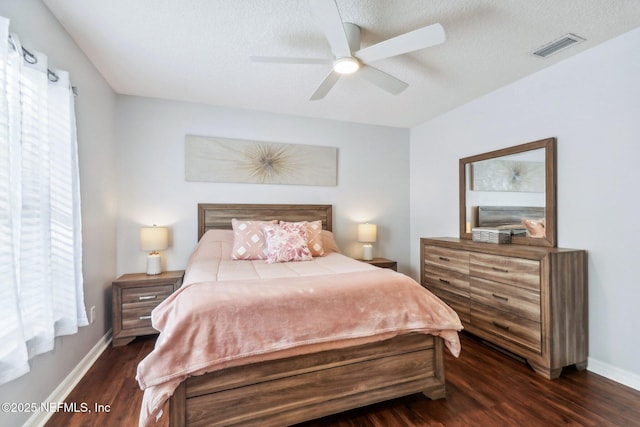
509 181
513 189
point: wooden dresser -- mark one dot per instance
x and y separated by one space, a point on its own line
529 300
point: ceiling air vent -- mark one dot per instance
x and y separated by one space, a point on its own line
563 42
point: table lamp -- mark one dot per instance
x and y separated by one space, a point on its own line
154 239
367 235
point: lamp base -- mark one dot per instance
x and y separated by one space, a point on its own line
153 264
367 252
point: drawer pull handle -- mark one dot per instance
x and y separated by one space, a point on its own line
147 297
145 317
500 297
501 326
501 270
442 258
446 282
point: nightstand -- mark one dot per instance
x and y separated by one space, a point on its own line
382 263
133 298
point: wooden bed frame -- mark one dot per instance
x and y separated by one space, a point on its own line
296 389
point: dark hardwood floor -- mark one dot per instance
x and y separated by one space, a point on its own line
484 388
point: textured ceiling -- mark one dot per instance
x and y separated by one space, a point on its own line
198 50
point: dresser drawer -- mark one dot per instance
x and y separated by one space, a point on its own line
450 259
447 280
514 271
459 304
512 299
513 328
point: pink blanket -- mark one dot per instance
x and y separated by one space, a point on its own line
209 326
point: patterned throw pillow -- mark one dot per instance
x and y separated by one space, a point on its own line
248 239
329 242
314 235
286 243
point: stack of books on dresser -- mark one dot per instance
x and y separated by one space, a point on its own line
490 235
499 234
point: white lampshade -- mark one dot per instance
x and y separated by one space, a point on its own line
367 233
154 239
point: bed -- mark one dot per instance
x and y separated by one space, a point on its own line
289 383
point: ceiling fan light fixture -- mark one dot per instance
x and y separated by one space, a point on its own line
347 65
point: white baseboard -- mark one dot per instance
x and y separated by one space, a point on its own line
613 373
61 392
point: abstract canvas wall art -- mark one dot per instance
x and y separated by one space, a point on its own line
212 159
508 175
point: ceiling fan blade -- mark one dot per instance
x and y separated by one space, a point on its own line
383 80
404 43
286 60
328 16
325 86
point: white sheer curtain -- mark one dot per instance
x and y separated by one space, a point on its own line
41 294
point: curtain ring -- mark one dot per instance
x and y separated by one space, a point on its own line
53 77
29 57
12 43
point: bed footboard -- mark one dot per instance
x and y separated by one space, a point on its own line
301 388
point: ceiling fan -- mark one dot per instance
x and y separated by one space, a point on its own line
344 39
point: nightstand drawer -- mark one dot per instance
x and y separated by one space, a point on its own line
144 297
137 304
137 318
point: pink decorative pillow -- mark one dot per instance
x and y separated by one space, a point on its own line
314 235
248 239
535 227
329 242
286 243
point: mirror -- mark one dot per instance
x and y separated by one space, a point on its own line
500 188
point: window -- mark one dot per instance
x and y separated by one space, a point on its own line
41 294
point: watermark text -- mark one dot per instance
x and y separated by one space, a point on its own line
32 407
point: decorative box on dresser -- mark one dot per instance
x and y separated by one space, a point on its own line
529 300
134 296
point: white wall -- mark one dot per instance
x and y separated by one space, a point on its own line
373 179
37 28
591 103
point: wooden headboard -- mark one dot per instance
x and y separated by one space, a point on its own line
493 216
218 216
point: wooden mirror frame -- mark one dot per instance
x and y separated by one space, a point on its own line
549 146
